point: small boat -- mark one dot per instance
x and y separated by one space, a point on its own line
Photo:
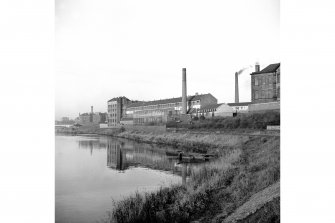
209 156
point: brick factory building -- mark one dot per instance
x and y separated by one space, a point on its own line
156 112
116 110
265 88
92 118
265 84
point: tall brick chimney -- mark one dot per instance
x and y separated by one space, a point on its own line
92 109
184 93
236 88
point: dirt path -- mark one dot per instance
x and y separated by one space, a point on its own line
256 202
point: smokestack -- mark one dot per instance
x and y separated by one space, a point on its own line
236 88
92 109
184 94
257 67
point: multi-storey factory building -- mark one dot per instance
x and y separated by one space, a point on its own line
158 111
116 109
123 111
265 84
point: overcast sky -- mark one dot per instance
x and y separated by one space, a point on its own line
137 49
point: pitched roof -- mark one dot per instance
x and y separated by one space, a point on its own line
116 98
239 104
269 69
211 106
167 101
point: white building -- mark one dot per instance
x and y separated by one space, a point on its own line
242 107
216 110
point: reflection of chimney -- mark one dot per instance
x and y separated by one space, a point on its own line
184 94
236 88
257 67
92 109
184 174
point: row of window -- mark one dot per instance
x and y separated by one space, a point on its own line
145 112
264 80
111 120
162 106
148 120
112 110
262 94
195 102
152 107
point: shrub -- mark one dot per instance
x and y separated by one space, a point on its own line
242 121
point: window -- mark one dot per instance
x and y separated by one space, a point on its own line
256 95
256 81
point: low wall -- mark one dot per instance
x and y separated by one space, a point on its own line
103 125
264 106
144 128
273 127
223 114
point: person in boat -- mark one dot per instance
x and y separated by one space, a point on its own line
180 156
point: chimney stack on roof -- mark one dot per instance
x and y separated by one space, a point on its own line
257 67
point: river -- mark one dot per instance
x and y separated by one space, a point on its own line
92 171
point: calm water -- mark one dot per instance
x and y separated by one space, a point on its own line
91 171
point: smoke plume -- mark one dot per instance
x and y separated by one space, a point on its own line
243 69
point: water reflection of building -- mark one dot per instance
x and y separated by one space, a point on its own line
135 154
123 155
116 156
91 144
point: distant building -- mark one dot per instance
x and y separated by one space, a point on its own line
156 112
65 119
116 110
241 107
215 110
265 84
92 118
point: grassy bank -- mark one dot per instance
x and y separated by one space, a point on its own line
201 143
187 141
241 121
213 191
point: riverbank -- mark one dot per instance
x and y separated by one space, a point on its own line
246 166
199 141
248 163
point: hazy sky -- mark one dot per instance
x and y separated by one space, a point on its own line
137 49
